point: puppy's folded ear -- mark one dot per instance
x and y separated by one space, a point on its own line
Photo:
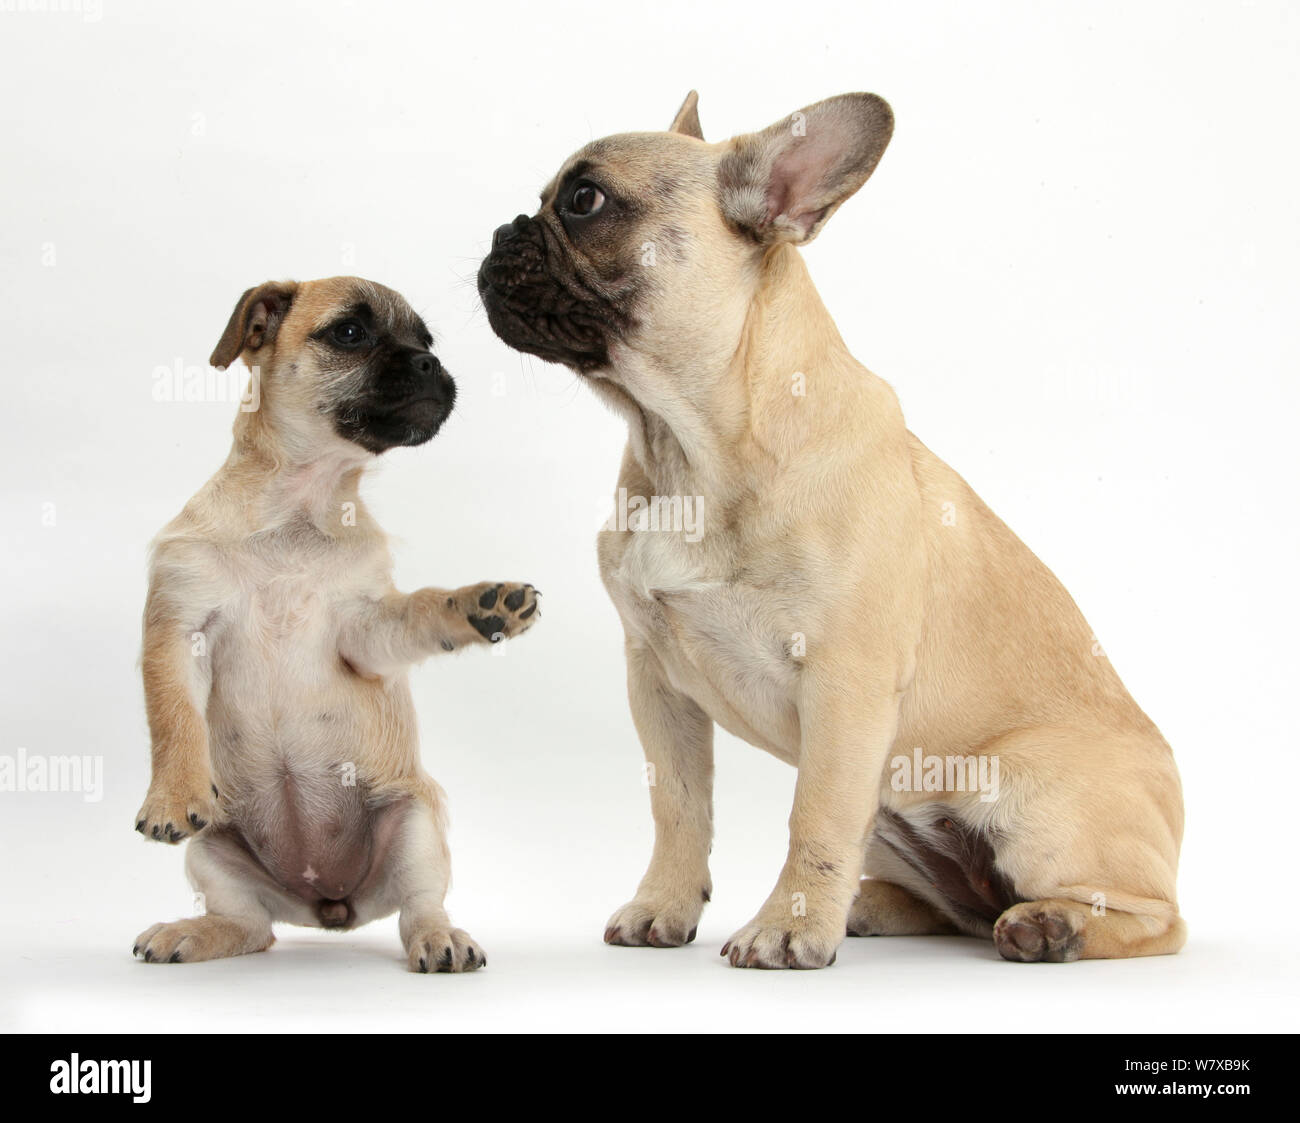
687 121
784 183
254 322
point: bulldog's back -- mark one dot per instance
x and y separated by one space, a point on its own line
1003 645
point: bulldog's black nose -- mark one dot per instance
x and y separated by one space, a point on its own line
509 230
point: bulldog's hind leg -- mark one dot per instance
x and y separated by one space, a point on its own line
882 908
236 920
1094 855
1060 931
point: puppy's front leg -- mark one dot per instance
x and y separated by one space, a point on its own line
847 727
177 679
381 637
677 738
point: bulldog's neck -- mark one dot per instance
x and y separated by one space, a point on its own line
717 423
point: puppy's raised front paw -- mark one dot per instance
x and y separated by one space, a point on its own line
643 922
169 815
444 950
792 943
500 610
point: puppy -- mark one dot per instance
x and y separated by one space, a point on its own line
276 647
848 603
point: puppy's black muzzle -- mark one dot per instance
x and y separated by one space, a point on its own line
412 376
404 403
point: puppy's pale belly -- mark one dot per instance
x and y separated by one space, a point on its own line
293 730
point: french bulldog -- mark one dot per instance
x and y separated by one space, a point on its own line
852 606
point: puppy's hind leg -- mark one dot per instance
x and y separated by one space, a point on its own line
420 873
236 921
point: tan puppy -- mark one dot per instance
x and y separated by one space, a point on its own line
276 647
845 602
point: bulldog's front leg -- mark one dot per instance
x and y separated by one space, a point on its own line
846 732
677 738
384 636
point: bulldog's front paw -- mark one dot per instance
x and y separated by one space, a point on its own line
173 814
644 922
500 610
793 942
440 949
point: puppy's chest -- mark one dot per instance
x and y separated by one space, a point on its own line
288 603
727 639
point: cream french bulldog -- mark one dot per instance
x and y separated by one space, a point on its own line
851 605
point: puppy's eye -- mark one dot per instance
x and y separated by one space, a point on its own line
587 199
349 333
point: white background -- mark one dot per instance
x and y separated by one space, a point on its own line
1076 263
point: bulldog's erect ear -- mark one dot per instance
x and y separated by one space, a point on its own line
254 322
784 183
687 121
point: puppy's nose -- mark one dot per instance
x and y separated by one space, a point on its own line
508 231
425 363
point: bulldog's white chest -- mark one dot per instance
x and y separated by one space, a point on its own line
723 642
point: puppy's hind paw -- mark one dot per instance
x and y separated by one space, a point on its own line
199 938
444 951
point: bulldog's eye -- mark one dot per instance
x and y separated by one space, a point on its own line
349 333
587 199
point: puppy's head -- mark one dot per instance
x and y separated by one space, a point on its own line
342 359
649 242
